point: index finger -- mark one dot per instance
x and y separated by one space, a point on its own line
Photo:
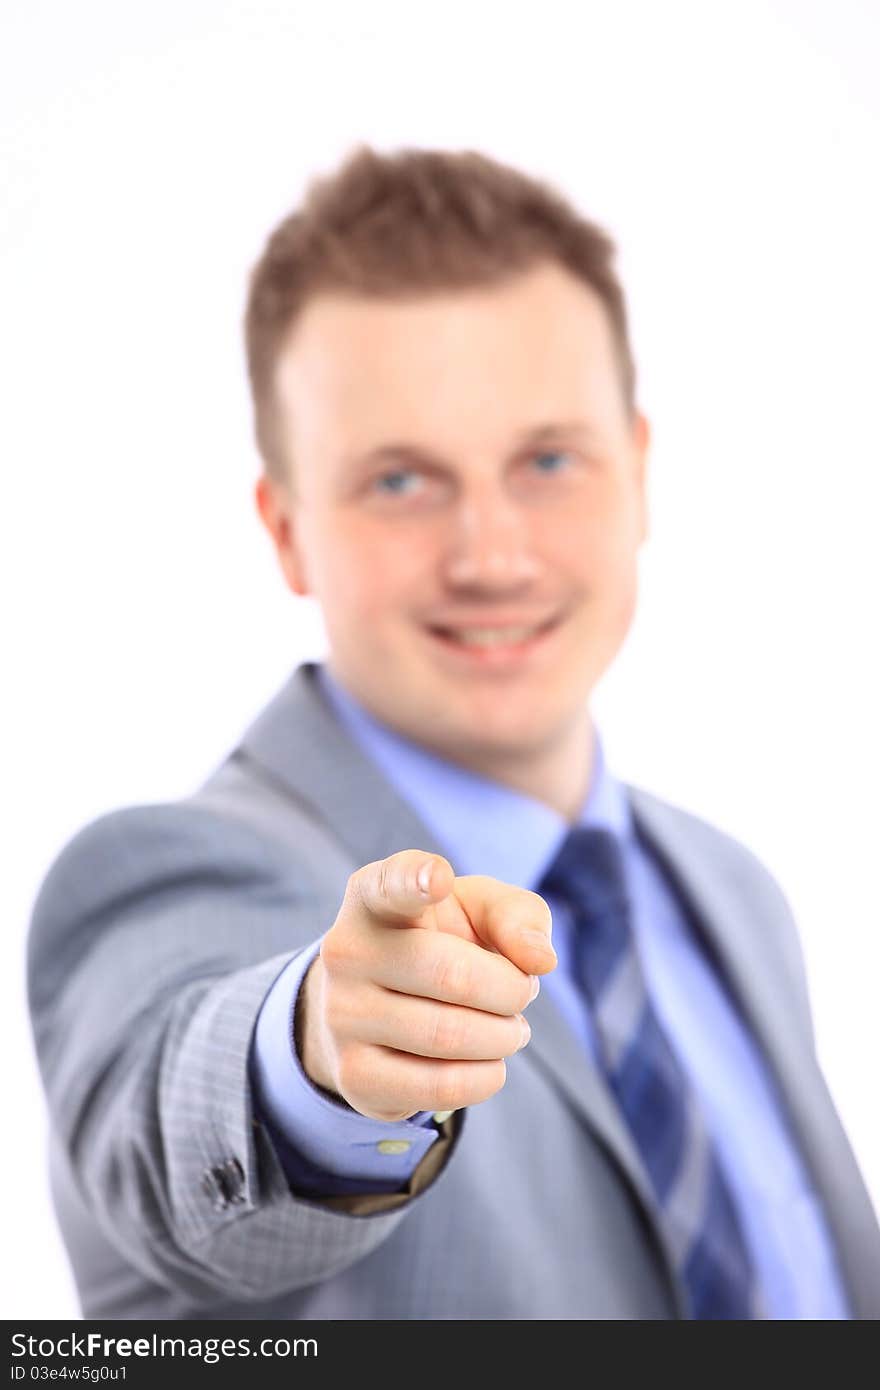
399 889
515 921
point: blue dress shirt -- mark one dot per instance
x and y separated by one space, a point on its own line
327 1147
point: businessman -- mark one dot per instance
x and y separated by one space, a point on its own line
413 1010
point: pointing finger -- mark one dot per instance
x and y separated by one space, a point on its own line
514 921
398 889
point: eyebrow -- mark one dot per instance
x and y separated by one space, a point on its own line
400 450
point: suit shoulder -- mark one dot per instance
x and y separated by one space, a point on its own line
170 838
152 853
729 855
735 867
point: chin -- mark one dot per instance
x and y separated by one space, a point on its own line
513 740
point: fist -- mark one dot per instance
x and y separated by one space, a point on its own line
419 990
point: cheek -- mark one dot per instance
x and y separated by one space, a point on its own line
367 573
598 559
602 544
621 583
334 565
586 548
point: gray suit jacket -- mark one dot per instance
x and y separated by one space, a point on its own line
155 936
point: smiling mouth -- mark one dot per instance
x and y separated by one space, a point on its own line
494 639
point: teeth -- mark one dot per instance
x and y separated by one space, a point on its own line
492 636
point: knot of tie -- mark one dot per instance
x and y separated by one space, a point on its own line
588 873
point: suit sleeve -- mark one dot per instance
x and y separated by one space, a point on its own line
154 940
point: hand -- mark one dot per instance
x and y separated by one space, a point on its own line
417 993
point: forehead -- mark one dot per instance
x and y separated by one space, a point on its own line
448 364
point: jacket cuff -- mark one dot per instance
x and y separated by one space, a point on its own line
225 1181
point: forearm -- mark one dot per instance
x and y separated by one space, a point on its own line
150 955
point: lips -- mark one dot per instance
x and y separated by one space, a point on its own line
492 636
493 644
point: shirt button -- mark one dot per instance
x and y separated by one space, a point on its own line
441 1115
393 1146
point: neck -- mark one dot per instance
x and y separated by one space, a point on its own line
559 775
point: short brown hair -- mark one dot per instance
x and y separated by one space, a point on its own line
406 223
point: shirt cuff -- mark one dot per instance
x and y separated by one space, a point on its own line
329 1134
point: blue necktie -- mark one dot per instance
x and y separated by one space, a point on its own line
660 1106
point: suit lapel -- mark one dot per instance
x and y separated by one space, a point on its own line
298 742
557 1052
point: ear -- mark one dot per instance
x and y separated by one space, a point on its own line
641 438
277 510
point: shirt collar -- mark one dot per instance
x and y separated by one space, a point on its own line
490 828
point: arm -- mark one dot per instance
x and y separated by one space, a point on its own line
154 940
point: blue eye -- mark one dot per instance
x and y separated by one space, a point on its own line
395 481
553 455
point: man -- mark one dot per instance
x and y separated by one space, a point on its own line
311 1047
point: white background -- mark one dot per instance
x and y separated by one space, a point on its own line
732 150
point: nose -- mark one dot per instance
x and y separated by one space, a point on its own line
490 546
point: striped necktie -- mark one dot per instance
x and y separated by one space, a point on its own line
660 1106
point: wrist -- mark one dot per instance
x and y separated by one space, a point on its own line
307 1029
